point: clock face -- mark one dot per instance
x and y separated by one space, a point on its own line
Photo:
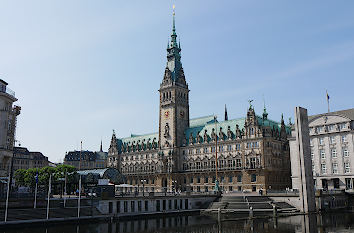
181 114
167 114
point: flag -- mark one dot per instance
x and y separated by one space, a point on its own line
37 177
327 95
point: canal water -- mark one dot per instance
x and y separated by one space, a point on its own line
338 222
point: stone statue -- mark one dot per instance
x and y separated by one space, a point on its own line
199 138
191 138
213 134
167 131
205 137
221 134
229 133
238 132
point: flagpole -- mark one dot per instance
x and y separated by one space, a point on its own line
78 203
65 190
7 197
49 190
327 96
35 192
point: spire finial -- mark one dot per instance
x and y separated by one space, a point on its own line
174 13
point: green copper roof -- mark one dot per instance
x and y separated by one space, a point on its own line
201 121
135 138
207 123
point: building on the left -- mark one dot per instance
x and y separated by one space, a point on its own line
25 159
8 119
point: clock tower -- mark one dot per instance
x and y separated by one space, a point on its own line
174 99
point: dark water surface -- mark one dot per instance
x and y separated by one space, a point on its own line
338 222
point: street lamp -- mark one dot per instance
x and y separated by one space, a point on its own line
143 181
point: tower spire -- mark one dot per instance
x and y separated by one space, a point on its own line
226 117
265 114
173 35
101 150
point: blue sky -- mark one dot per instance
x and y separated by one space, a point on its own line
83 68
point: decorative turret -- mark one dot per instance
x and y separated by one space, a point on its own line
113 148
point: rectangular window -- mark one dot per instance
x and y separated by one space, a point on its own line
191 180
322 154
335 168
229 163
321 141
197 151
253 162
146 205
213 149
253 177
230 179
344 138
206 179
348 183
342 126
221 148
229 147
330 127
238 146
132 206
323 168
238 163
319 129
332 139
345 152
205 150
334 153
139 206
198 179
346 167
311 142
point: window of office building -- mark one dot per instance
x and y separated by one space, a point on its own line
335 168
342 126
345 152
323 168
322 154
334 153
346 167
344 138
321 141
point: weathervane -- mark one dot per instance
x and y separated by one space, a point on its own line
250 102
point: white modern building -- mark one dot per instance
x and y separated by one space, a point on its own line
332 149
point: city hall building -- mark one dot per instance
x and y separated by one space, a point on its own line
248 153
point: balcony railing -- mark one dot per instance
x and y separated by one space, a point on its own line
8 91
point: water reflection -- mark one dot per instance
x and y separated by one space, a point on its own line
340 222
